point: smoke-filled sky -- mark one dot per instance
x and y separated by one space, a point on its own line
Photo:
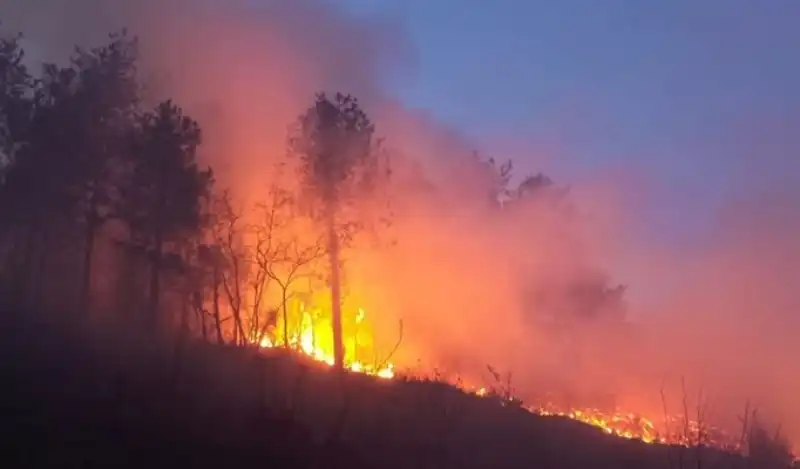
670 120
704 94
701 96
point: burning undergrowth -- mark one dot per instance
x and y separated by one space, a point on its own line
312 338
485 265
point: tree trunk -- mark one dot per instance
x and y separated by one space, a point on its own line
199 307
241 338
88 254
336 297
285 317
40 272
155 285
184 328
24 283
217 318
202 314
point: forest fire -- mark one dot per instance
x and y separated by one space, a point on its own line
670 430
673 431
623 425
233 212
317 343
311 338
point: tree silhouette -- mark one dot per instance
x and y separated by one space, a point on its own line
50 134
163 192
15 105
589 296
282 253
72 121
103 104
341 168
230 263
498 179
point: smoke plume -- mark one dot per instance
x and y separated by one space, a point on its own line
720 314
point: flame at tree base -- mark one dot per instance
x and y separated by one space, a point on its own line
316 344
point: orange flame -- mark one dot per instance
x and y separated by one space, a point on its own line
317 343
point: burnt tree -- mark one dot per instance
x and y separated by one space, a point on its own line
342 167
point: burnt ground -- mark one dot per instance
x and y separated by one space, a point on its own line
70 398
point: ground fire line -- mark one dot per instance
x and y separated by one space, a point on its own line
667 430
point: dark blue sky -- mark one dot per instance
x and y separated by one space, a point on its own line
699 92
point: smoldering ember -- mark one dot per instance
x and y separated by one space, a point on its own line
231 235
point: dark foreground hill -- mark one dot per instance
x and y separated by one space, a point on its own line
70 398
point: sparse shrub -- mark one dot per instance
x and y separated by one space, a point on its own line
767 450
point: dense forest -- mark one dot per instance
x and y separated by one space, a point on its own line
107 206
109 216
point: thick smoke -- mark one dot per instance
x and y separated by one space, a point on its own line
720 314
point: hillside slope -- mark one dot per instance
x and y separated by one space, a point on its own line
71 398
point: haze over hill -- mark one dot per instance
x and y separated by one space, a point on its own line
467 281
